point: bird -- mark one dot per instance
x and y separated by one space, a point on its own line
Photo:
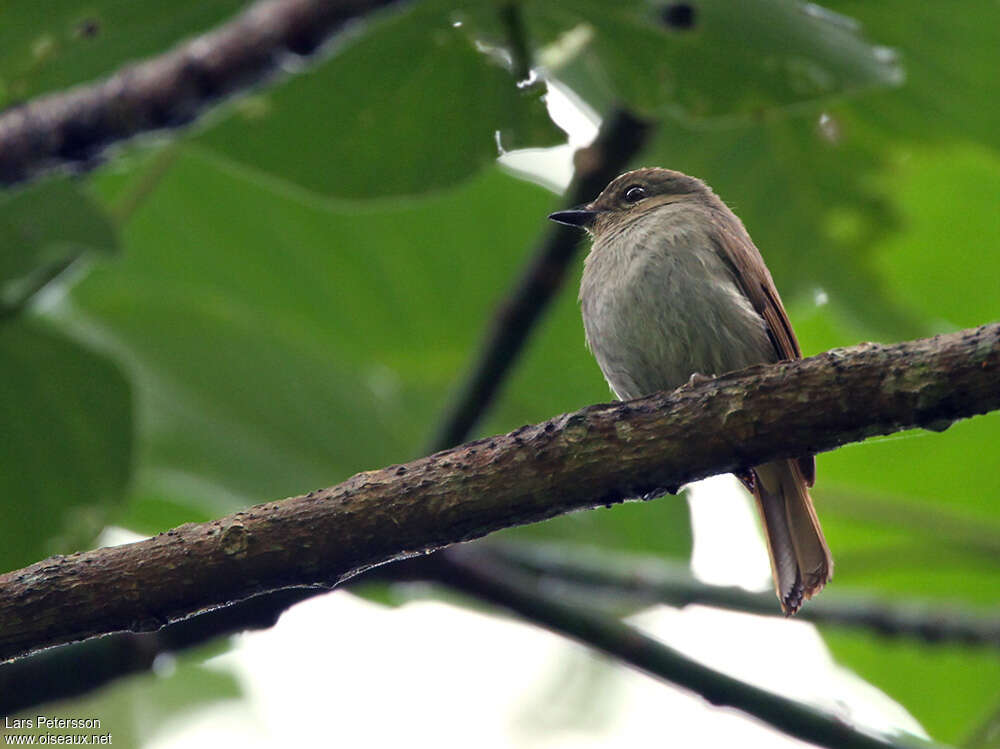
673 291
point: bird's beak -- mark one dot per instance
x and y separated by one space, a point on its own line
582 216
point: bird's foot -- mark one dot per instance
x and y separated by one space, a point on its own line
747 477
697 378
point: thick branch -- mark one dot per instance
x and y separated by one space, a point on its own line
596 456
166 91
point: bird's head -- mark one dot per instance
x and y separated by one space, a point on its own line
632 195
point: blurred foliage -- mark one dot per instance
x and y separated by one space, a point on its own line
136 710
659 60
302 280
350 139
36 248
297 341
951 689
66 442
72 42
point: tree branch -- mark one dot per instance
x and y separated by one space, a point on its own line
476 574
654 581
600 455
74 127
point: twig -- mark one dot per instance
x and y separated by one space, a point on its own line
72 128
650 581
517 40
596 456
479 576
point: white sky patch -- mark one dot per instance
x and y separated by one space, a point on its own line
352 673
553 167
728 547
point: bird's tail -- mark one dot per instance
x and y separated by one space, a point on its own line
800 559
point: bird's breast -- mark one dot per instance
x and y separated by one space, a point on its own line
659 303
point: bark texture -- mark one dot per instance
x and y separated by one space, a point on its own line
73 128
600 455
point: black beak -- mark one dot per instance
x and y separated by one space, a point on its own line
575 217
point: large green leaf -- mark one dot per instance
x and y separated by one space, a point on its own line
950 689
412 106
65 446
281 342
950 58
62 42
729 59
42 229
944 262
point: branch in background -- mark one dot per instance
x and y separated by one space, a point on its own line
517 40
653 581
73 128
621 138
73 670
596 456
476 575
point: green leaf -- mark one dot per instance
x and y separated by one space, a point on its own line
411 106
949 72
280 343
65 449
734 58
943 264
948 688
909 514
68 42
43 228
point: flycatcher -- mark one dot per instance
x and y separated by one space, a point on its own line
674 287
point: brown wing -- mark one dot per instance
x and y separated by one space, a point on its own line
755 279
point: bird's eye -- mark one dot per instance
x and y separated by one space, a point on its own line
634 194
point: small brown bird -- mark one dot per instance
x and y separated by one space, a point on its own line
673 287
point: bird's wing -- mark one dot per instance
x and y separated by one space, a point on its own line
755 279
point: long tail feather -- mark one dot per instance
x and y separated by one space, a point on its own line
800 559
